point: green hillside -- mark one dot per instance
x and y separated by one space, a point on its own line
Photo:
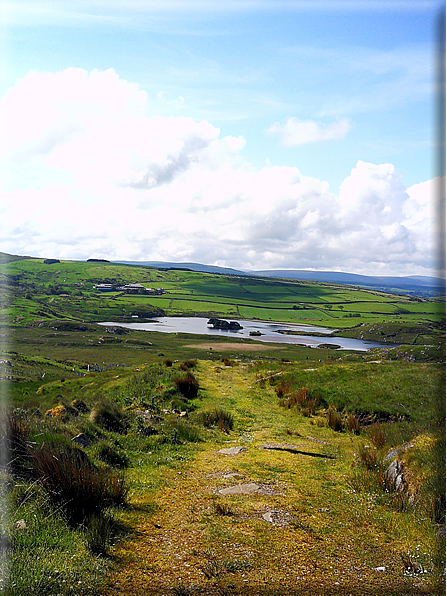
35 291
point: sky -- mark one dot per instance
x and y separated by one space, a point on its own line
253 134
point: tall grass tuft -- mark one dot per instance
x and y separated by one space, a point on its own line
334 419
353 424
187 364
376 435
15 432
304 399
109 417
98 534
188 386
178 432
75 484
216 417
368 458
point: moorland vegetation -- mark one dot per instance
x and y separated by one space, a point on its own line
115 479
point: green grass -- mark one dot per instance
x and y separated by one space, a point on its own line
35 291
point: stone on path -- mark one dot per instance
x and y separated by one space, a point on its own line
277 518
246 489
232 450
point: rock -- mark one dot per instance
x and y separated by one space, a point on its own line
394 452
232 450
226 325
82 439
246 489
20 524
277 518
380 569
395 476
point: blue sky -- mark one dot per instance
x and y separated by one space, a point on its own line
303 132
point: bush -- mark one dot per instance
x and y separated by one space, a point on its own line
75 484
188 386
217 417
334 419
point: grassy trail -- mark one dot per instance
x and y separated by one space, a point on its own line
325 538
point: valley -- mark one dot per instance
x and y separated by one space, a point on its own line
217 464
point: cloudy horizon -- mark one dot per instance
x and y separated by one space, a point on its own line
207 143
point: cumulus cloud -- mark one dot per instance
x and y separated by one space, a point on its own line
87 171
300 132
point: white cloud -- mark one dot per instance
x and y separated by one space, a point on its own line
300 132
88 171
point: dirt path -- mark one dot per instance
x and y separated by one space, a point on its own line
301 533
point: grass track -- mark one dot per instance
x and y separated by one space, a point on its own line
336 542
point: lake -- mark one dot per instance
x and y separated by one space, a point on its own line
270 332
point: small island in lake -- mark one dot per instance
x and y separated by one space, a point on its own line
222 324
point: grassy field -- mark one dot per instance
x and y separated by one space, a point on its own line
34 290
148 517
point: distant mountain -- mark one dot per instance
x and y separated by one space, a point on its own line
185 266
419 285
